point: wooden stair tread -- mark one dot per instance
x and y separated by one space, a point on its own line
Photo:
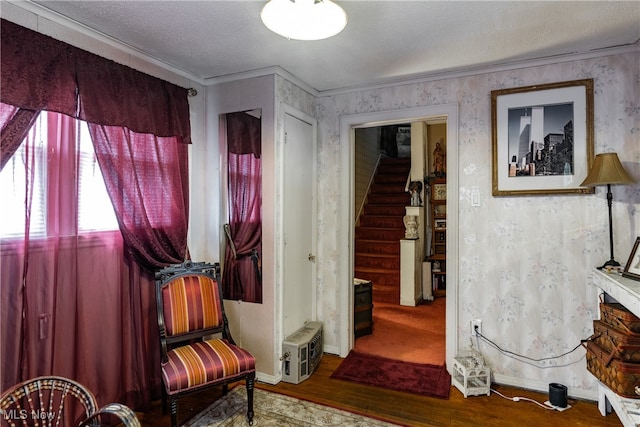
376 255
366 227
377 270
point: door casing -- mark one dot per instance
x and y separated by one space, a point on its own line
347 152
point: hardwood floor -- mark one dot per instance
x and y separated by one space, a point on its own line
408 409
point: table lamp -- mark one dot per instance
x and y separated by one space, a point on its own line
608 170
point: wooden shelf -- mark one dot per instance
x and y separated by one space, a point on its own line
438 221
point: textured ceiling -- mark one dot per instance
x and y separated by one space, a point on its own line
384 40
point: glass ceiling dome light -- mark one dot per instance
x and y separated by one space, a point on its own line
304 19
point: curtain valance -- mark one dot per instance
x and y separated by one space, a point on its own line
244 134
41 73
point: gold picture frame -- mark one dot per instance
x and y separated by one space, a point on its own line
439 191
542 139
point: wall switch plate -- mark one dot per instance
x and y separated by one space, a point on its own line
475 196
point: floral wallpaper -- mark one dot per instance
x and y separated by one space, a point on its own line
524 262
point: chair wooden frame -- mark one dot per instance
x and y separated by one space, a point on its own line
46 399
221 332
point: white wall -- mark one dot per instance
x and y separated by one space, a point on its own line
252 325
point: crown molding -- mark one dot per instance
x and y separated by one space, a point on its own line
41 12
488 69
277 70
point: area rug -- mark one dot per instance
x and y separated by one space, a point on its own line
272 409
418 378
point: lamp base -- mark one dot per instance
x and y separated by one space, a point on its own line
611 263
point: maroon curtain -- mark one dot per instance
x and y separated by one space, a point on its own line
40 77
78 306
14 125
148 183
244 134
74 304
54 76
241 277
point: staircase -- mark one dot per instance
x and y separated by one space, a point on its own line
377 237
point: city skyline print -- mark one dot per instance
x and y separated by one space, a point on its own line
542 138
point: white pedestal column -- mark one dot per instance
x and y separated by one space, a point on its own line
411 257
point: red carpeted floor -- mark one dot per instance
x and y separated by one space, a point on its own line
410 334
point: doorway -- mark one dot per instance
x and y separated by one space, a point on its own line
408 324
348 124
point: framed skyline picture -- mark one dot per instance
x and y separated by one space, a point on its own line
542 138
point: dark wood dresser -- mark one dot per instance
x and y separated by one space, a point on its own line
363 307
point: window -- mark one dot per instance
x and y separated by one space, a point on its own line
95 208
13 185
49 158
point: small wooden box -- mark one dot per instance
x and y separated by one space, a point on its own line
617 315
363 307
620 344
621 377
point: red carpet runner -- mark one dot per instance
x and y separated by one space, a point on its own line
417 378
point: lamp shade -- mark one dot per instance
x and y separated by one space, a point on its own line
304 19
607 169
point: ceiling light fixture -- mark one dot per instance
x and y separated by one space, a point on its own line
304 19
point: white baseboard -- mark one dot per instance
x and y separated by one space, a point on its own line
331 349
543 387
268 379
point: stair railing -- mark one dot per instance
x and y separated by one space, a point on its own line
371 178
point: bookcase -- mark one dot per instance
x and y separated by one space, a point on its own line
438 221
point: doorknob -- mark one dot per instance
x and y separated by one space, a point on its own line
312 258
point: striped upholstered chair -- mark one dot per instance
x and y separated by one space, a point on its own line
190 312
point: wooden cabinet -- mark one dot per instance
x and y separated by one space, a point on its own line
363 308
438 221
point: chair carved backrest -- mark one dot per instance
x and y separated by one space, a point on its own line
58 401
189 305
197 348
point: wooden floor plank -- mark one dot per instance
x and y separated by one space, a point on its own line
410 409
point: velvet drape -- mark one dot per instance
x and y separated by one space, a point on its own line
83 306
14 124
54 76
241 280
148 183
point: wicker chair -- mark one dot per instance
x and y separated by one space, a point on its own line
190 312
59 401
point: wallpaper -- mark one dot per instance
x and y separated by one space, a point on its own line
524 262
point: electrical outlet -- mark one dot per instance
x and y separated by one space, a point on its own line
476 324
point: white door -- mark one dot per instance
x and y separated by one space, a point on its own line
299 213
